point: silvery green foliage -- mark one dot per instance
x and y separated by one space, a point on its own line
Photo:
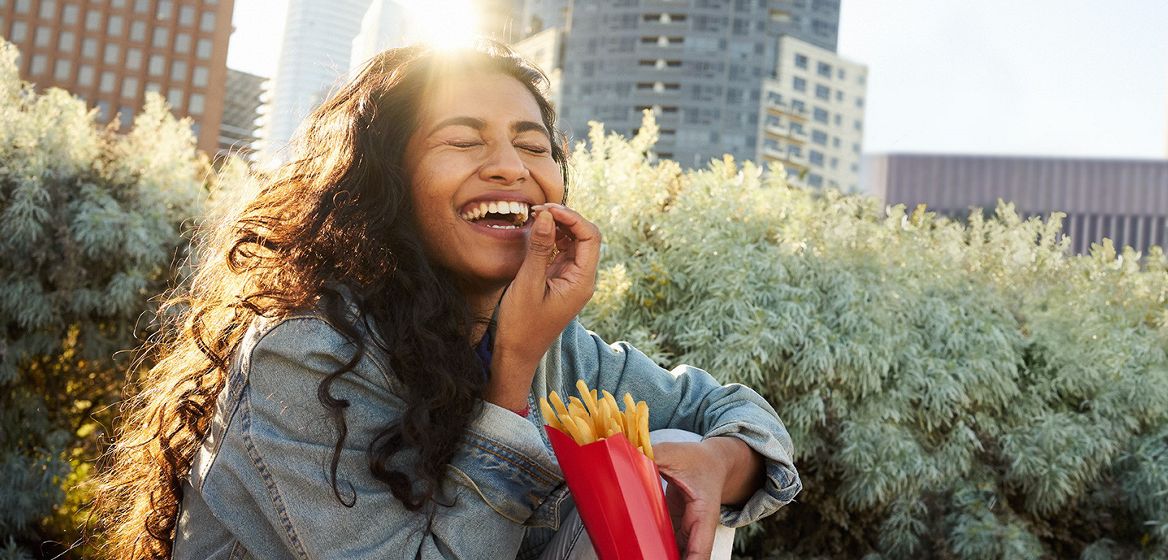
954 390
90 223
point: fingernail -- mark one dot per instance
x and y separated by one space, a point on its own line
544 226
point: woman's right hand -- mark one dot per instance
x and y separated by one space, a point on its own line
556 279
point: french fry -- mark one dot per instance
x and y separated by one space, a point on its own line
596 415
549 415
585 429
643 428
558 404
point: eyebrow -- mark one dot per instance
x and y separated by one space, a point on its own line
479 124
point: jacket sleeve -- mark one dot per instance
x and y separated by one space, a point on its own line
690 399
281 442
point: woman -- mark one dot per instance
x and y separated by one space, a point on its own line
352 372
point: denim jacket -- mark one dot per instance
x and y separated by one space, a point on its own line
259 486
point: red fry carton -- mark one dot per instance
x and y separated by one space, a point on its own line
618 495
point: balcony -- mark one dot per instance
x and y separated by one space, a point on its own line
778 129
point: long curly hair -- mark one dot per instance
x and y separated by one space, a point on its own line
339 212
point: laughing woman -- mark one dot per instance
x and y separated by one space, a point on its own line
351 372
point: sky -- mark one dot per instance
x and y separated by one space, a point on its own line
1084 78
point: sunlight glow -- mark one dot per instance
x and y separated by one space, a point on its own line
442 23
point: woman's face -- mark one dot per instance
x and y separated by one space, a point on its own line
479 159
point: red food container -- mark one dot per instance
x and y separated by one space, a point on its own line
618 495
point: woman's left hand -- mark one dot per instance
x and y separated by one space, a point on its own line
702 476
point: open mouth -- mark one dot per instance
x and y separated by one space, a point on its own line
501 214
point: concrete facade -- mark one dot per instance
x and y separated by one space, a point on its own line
1124 200
111 52
812 116
699 65
314 57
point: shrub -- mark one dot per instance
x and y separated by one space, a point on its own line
90 224
953 390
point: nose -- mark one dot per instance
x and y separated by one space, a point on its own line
504 165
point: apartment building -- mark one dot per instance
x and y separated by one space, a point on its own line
111 52
812 116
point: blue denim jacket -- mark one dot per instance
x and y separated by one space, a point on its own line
260 486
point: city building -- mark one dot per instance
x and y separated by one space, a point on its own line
314 58
812 116
111 52
707 68
1124 200
238 130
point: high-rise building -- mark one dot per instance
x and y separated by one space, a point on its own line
314 57
111 52
812 116
238 130
1123 200
705 68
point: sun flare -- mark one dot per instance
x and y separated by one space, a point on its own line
442 23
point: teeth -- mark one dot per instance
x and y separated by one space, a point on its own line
520 210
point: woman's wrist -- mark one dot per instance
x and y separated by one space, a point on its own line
745 471
510 382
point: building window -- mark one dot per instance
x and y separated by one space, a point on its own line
133 59
126 116
71 14
92 21
839 95
19 31
39 64
48 9
835 163
65 41
801 61
203 50
112 54
182 43
165 7
186 16
823 69
195 104
89 48
822 92
153 86
22 6
107 82
820 115
141 6
178 71
858 125
800 84
816 157
138 32
157 65
130 88
62 69
207 22
85 75
815 180
43 35
835 143
174 98
819 137
860 102
114 25
161 37
200 77
841 74
838 120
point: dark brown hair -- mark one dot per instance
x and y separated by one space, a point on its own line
338 212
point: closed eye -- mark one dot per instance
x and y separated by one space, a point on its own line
534 149
464 143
